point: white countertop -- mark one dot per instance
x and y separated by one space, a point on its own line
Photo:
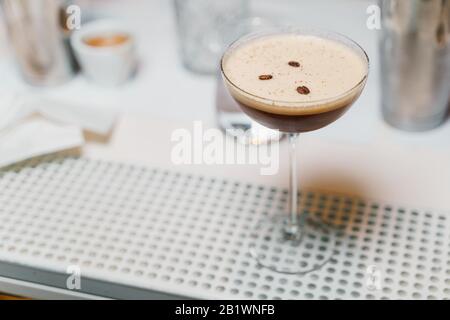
357 155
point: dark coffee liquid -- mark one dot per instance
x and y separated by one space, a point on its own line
295 123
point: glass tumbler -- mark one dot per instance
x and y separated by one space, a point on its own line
203 27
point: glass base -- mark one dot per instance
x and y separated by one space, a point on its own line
289 249
245 130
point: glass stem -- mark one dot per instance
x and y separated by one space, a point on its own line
292 227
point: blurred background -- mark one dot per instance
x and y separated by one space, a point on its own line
177 70
178 44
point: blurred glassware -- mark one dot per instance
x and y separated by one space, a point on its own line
229 116
40 38
415 62
203 30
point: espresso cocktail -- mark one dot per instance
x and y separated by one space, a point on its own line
294 81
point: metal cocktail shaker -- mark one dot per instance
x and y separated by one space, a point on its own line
40 39
415 62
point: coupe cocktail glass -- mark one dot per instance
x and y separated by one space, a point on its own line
294 81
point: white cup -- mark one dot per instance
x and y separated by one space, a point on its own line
106 65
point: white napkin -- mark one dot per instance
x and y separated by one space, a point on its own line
32 125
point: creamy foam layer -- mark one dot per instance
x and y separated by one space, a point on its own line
328 69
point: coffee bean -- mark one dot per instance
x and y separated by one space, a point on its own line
265 77
294 64
303 90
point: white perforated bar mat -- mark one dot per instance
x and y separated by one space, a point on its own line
177 235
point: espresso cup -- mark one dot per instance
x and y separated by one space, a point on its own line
106 52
